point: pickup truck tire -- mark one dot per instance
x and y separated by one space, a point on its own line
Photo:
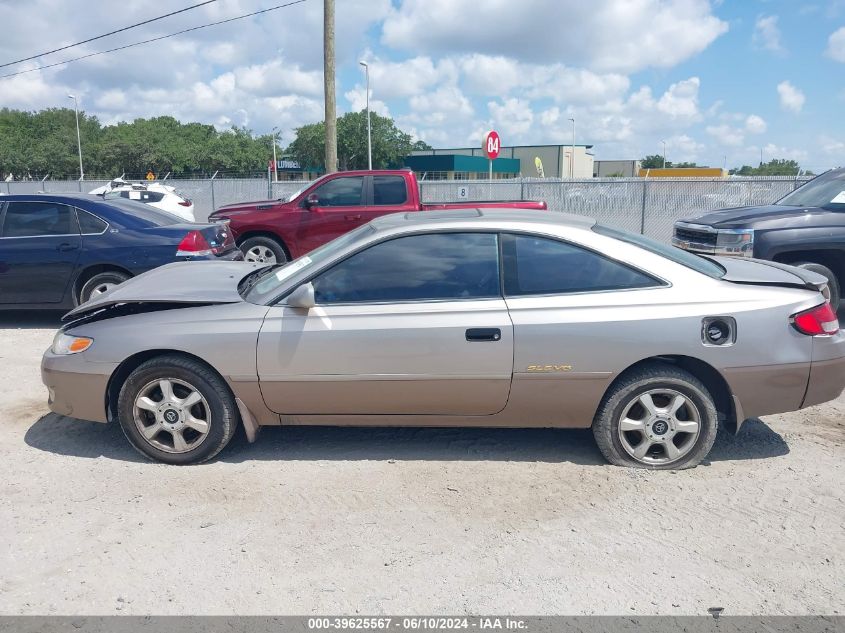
832 281
658 417
264 250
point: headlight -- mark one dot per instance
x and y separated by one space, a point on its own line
64 344
735 242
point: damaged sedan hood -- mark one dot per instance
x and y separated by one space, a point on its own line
185 283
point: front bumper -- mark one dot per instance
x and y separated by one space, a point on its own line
76 388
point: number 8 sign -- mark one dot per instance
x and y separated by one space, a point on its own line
491 144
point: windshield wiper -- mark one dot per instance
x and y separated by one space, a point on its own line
254 277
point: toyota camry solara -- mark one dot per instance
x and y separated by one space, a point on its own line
461 318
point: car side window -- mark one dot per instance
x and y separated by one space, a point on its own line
90 224
389 190
341 192
35 219
430 267
541 266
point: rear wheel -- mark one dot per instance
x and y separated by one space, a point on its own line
264 250
100 283
832 281
177 410
659 417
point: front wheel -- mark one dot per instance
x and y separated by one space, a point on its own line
177 410
659 417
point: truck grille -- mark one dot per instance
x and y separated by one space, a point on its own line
695 238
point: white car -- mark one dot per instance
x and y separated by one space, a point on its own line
155 194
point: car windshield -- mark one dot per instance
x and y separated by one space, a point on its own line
827 192
677 255
270 285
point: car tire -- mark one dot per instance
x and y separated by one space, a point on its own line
100 283
153 414
263 250
832 281
622 420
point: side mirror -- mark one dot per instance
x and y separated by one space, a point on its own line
312 201
302 297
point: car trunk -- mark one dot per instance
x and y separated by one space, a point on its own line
758 272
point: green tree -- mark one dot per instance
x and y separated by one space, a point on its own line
775 167
654 161
390 144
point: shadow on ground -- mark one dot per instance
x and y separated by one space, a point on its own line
68 436
31 319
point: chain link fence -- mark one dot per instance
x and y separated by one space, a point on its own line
648 206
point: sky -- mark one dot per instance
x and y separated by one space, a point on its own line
717 81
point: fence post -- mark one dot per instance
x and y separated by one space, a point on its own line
42 183
642 210
213 206
521 188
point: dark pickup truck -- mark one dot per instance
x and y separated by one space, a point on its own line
806 228
274 231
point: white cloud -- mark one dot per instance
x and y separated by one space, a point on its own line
836 45
605 35
357 98
778 151
755 124
791 98
766 34
726 135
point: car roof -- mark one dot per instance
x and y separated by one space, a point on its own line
69 198
489 217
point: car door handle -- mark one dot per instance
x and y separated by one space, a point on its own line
353 217
65 246
484 334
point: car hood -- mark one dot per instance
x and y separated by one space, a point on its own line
742 217
179 284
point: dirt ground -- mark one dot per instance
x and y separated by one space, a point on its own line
411 521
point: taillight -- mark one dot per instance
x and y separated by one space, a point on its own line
186 203
818 321
194 244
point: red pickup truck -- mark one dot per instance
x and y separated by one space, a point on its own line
275 231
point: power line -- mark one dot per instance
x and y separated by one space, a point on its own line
91 39
154 39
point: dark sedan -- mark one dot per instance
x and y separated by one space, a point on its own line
59 250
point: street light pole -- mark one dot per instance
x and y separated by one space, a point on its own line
664 154
78 138
369 130
572 155
275 163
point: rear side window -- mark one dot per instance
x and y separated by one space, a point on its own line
389 190
341 192
143 196
90 224
35 219
541 266
431 267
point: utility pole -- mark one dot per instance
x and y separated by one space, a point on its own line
369 130
275 162
78 138
329 86
664 154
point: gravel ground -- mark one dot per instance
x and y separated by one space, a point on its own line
399 521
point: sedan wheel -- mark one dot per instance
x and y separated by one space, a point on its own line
177 410
171 415
659 426
99 284
658 416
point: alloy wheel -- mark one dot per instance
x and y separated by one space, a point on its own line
659 426
172 415
260 254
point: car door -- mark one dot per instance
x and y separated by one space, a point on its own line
339 208
39 248
578 318
413 325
